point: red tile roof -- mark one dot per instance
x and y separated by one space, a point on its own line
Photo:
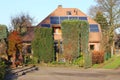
62 12
29 36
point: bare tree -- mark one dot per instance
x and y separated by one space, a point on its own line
110 8
93 10
20 22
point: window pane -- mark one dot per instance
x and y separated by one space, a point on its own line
45 25
94 28
63 18
83 18
54 20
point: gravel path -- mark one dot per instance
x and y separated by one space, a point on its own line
57 73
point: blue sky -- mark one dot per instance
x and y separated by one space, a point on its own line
38 9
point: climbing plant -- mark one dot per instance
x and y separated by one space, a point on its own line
84 31
43 44
70 39
75 39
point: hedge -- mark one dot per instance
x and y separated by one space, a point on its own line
75 35
43 44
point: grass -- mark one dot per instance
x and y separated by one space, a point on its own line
112 63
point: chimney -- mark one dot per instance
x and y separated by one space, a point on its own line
59 6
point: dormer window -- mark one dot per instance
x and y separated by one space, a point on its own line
69 13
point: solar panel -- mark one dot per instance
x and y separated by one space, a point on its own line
54 20
45 25
82 18
63 18
73 18
94 28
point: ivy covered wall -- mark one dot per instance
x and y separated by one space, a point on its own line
75 35
43 44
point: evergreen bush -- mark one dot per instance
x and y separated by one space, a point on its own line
2 70
75 35
43 44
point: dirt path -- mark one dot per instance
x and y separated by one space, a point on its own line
53 73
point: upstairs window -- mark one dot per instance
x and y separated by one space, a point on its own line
69 13
94 28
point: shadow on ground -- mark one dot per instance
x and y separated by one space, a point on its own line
10 76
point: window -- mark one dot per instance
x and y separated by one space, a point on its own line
29 49
92 47
69 13
63 18
54 20
94 28
82 18
45 25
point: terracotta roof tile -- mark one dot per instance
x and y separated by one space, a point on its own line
29 36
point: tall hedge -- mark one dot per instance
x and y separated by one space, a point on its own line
3 31
75 35
70 29
84 44
43 44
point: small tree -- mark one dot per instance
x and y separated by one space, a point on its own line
99 18
14 46
102 20
43 44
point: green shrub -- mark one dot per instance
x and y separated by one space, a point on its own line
87 60
77 42
2 70
107 56
79 61
58 63
112 63
97 57
43 45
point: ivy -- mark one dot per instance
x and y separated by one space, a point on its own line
75 35
43 44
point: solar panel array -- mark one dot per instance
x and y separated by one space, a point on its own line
58 20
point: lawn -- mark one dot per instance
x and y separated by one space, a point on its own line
112 63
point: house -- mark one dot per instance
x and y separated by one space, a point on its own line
58 15
27 39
